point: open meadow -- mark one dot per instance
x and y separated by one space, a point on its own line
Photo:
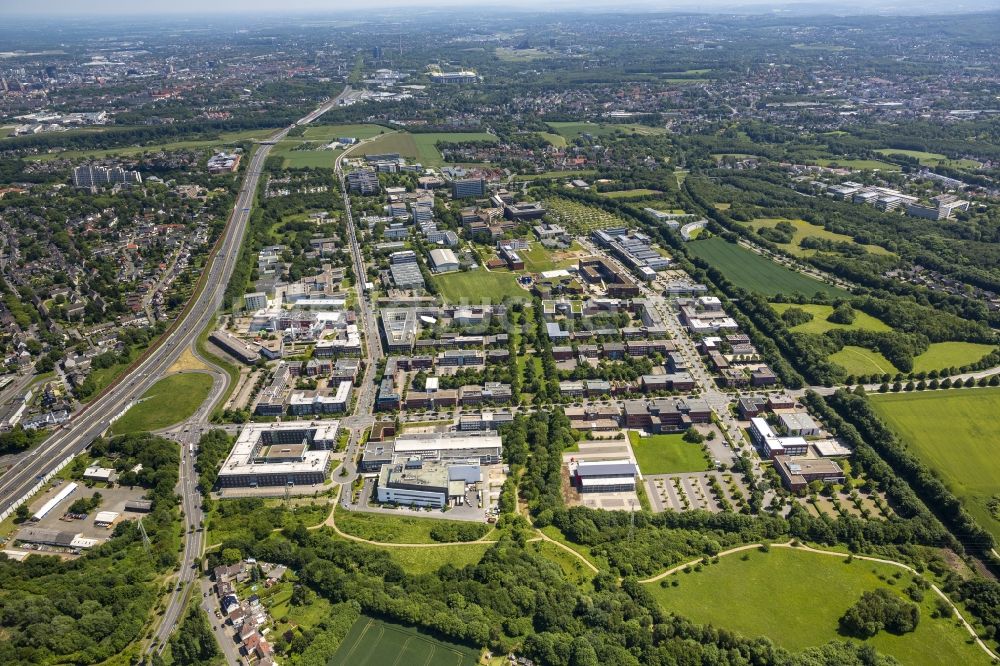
805 229
795 598
819 324
479 286
957 433
419 147
171 400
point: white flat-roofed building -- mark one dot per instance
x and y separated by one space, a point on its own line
799 424
484 446
279 454
95 473
65 492
105 518
443 260
414 483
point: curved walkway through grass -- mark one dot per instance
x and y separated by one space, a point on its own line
818 551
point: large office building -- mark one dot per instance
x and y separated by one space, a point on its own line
405 270
415 483
96 176
463 76
482 447
280 454
465 188
363 181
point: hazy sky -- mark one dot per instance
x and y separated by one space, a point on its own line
120 7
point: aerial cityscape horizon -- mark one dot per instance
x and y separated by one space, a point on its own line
509 334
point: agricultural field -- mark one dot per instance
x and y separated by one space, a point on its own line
819 324
479 286
957 433
171 400
571 130
752 271
667 454
580 218
223 140
930 159
373 642
568 173
521 55
629 194
419 147
861 165
298 154
796 598
804 229
333 132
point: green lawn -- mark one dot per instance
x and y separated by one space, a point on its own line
667 454
312 156
171 400
861 361
373 642
942 355
419 147
795 598
479 286
752 271
819 324
805 229
389 528
957 433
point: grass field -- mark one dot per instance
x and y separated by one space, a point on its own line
795 598
224 139
521 55
373 642
293 156
170 400
419 147
861 361
557 140
479 286
628 194
416 561
573 569
957 433
752 271
939 356
388 528
571 130
667 454
819 324
539 258
942 355
333 132
930 159
804 229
